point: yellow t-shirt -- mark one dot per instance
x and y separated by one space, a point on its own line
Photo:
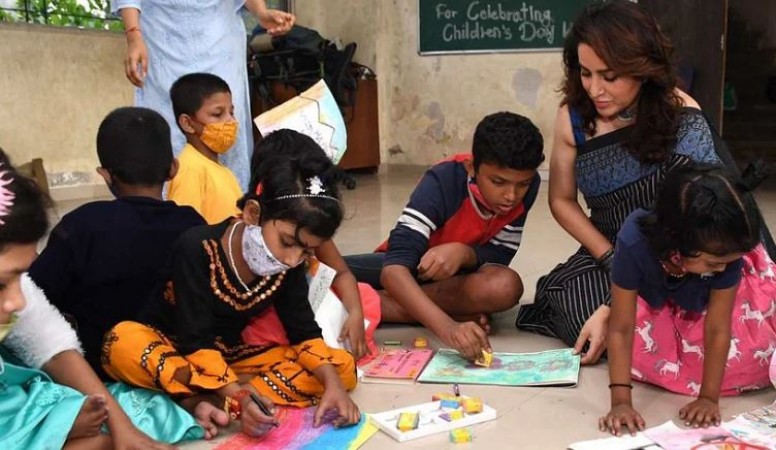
205 185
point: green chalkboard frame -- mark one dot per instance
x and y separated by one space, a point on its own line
498 15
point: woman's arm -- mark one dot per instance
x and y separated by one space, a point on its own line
136 61
69 368
563 190
274 21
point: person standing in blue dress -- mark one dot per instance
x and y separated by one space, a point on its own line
167 39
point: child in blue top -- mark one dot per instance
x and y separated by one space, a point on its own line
104 259
691 278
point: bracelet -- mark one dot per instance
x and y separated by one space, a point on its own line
629 386
232 408
131 29
232 405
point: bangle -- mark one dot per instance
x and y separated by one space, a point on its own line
232 405
629 386
232 408
131 29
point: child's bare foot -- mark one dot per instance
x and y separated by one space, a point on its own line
210 418
90 418
207 415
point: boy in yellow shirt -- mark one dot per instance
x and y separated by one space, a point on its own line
202 102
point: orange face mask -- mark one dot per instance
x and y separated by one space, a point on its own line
220 136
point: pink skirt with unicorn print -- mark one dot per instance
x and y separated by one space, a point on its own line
668 341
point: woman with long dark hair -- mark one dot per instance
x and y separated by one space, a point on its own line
623 124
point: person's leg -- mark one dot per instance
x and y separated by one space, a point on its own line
491 289
566 298
99 442
90 418
160 367
366 268
278 375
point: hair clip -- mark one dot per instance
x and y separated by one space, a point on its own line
315 185
6 196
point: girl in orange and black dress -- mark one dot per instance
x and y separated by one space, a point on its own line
188 342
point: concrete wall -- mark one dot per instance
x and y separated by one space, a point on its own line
57 84
429 105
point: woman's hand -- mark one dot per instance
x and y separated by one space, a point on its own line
353 331
275 22
621 415
136 62
336 398
701 413
594 331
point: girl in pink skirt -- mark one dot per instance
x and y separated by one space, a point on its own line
693 298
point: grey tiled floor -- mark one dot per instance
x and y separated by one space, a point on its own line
529 418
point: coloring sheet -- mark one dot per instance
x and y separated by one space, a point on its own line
549 368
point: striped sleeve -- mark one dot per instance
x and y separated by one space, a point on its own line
502 247
429 207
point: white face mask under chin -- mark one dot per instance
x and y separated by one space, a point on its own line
256 253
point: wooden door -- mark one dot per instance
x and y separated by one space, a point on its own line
698 30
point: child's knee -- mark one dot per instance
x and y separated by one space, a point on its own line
346 369
501 288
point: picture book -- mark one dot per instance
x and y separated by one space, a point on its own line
314 113
296 432
624 442
397 366
670 437
548 368
429 418
756 427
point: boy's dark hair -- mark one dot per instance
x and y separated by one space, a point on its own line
702 208
508 140
26 221
284 163
133 144
189 92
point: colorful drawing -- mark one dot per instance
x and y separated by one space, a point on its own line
757 426
296 432
670 437
314 113
549 368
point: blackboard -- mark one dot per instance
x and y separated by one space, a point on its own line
484 26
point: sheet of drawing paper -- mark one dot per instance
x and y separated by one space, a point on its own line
296 432
548 368
670 437
625 442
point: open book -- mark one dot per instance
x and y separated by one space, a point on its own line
548 368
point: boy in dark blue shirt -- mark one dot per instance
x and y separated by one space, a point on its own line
104 259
